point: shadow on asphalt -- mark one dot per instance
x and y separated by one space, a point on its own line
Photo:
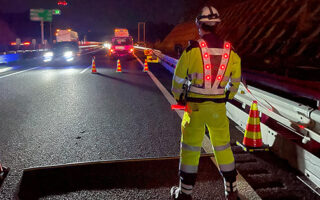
142 86
125 175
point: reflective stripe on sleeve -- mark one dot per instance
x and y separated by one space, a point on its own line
221 148
191 169
196 76
235 80
179 80
227 167
190 148
176 90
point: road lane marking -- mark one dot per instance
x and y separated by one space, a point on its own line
245 190
83 71
18 72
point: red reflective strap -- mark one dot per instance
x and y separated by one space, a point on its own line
222 67
206 55
253 128
254 113
177 107
208 77
227 45
219 77
226 56
252 142
203 44
207 66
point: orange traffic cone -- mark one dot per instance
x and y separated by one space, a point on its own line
3 173
252 140
118 66
146 68
94 69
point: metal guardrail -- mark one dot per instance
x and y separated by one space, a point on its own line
300 119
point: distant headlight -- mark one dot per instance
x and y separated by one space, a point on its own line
47 57
107 45
48 54
68 54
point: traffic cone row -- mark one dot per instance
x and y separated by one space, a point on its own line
3 173
118 66
146 68
94 69
119 69
252 140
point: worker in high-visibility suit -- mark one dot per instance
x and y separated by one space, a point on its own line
214 70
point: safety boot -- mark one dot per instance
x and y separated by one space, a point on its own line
177 194
230 185
3 173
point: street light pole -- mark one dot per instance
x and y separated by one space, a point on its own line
42 32
144 31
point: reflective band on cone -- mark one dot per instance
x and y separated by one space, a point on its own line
118 66
252 139
94 69
146 68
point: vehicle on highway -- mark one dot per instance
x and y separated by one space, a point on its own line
121 44
66 48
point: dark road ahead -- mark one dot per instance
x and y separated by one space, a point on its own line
57 115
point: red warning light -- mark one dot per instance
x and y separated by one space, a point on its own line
227 45
62 3
226 56
13 43
208 66
206 55
222 67
203 44
301 126
219 78
26 43
208 77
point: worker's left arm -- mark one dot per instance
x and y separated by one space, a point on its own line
235 78
179 77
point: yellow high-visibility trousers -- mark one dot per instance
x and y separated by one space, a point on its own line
196 117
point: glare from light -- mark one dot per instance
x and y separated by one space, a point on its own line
70 59
48 54
107 45
47 57
68 54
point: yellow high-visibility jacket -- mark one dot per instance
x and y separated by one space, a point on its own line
213 68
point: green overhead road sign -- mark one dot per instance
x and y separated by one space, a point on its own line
41 15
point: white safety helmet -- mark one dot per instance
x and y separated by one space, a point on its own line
209 16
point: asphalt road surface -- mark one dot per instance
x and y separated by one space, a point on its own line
55 114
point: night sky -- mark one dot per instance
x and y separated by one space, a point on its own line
101 15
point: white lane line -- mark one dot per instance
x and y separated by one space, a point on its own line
83 71
18 72
246 192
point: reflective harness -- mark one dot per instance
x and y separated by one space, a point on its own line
211 85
